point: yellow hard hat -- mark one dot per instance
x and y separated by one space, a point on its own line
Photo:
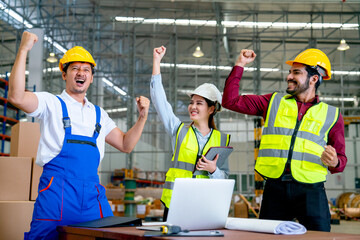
76 54
314 58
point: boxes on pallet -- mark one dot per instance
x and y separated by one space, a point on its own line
119 193
15 218
15 175
117 207
142 210
149 192
115 193
25 138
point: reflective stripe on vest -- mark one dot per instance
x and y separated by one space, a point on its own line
185 156
285 139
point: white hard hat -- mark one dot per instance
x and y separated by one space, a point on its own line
208 91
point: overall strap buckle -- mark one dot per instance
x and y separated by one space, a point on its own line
97 127
66 122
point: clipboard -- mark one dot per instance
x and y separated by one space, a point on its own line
111 221
223 152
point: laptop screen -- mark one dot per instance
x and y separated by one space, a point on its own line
198 204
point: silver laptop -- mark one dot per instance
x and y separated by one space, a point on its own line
198 204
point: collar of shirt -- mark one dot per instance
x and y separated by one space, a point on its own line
66 97
202 140
316 99
303 107
200 134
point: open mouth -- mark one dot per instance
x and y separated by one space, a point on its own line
290 82
80 81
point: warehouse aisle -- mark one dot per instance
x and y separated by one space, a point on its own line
346 227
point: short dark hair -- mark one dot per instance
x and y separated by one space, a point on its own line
66 66
311 72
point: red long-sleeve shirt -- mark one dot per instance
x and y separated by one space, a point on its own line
258 104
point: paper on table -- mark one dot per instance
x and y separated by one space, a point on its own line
267 226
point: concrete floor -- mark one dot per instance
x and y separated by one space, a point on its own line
345 226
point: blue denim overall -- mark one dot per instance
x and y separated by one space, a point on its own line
69 188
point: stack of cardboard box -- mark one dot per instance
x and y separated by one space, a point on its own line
19 179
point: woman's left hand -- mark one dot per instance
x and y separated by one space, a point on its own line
207 165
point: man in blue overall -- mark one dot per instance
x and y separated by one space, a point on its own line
73 136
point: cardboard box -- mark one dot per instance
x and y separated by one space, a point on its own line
118 208
35 178
149 192
115 193
15 175
25 138
119 193
15 218
241 209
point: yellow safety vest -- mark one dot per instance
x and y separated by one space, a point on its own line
185 156
298 143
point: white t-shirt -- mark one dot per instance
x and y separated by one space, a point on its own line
82 117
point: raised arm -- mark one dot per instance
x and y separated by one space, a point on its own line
158 54
246 56
26 101
158 96
125 142
246 104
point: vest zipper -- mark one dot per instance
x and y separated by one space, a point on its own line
198 154
291 150
81 142
293 137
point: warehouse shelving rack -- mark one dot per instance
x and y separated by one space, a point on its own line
118 176
5 120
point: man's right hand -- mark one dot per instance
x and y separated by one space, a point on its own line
27 41
26 101
246 56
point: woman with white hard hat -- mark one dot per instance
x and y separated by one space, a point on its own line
189 143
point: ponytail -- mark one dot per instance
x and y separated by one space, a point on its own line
212 122
217 108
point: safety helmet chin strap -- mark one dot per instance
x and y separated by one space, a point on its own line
321 72
320 79
217 108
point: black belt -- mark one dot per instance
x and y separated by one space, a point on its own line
287 177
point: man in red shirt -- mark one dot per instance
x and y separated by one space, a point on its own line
297 147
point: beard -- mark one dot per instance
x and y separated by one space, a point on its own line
79 90
299 88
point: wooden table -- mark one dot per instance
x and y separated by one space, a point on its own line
131 233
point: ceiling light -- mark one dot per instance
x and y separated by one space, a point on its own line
52 58
119 90
15 16
343 46
244 24
198 53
